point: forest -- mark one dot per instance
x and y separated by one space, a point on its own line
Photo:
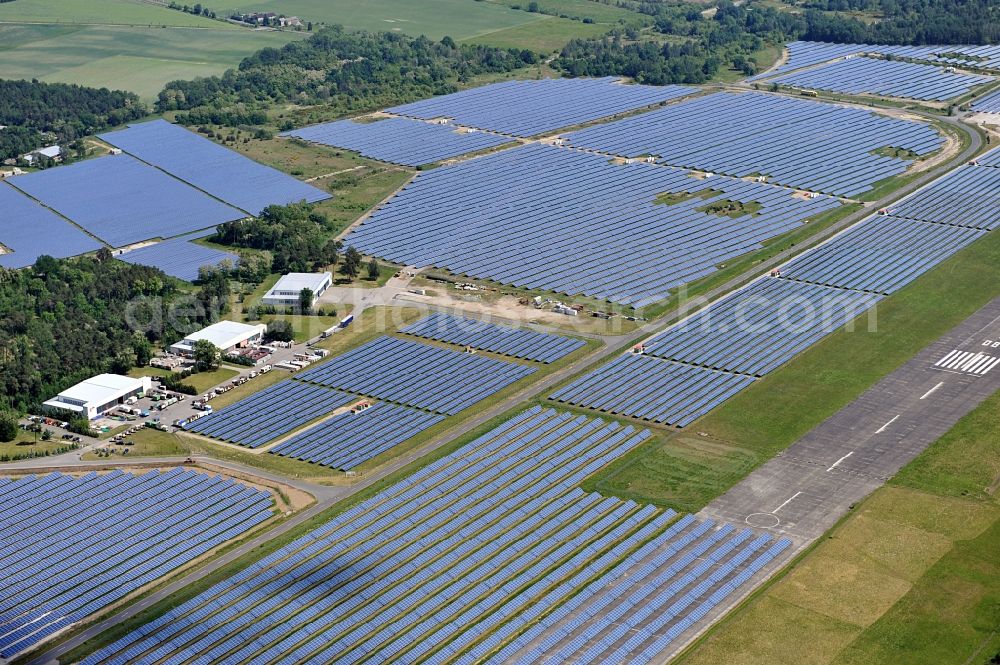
697 46
345 70
38 114
62 321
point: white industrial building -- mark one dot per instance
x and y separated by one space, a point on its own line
226 335
95 396
285 293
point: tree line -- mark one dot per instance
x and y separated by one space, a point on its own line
347 71
38 114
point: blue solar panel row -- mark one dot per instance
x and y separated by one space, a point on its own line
760 327
179 257
515 342
792 141
652 389
528 108
223 173
886 77
415 374
991 158
349 439
400 140
968 196
29 230
882 254
807 54
122 201
988 104
573 222
666 578
467 552
270 413
70 546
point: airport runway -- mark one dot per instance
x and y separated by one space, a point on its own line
803 491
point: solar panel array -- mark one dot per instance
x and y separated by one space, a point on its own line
634 612
758 328
221 172
121 200
991 158
349 439
515 342
427 377
968 196
179 257
572 222
400 140
882 254
73 545
650 389
988 104
270 413
807 54
528 108
886 77
700 362
792 141
458 559
29 230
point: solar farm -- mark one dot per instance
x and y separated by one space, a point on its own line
790 141
86 542
530 108
886 77
400 140
458 561
700 362
580 224
452 486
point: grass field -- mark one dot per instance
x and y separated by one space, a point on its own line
141 59
102 12
544 35
774 412
580 9
912 576
458 19
25 446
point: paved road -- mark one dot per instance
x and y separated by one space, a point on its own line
613 345
804 491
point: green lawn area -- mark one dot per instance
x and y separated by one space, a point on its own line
774 412
435 18
201 381
137 58
103 12
580 9
911 576
546 34
24 446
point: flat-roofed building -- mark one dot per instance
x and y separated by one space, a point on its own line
285 293
96 396
226 335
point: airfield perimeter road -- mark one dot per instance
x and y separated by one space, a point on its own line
613 345
801 493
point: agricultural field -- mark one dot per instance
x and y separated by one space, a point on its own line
124 44
910 576
462 20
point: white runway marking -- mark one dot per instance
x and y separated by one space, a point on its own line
931 391
968 362
835 464
883 427
787 501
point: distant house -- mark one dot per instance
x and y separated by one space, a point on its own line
52 152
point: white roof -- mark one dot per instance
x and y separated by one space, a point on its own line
50 151
102 388
296 281
225 334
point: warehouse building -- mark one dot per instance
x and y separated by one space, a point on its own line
285 293
226 335
96 396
